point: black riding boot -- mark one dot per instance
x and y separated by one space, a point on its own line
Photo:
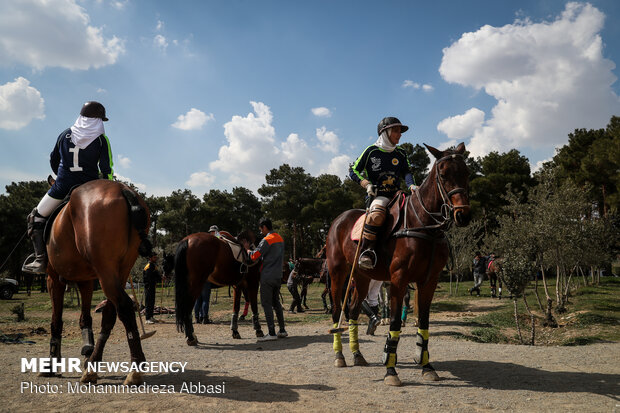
39 265
373 320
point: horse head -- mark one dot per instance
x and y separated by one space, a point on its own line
249 236
451 175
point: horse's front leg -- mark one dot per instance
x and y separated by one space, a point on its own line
108 319
424 298
86 321
361 290
56 289
234 327
389 352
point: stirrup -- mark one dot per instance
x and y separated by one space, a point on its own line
369 254
30 265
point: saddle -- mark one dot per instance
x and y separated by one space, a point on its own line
392 221
239 253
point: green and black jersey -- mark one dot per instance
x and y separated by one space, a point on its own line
383 169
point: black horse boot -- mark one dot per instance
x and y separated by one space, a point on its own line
35 231
373 320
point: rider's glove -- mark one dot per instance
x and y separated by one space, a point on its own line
413 188
371 190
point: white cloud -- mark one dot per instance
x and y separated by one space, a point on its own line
462 126
160 42
329 141
160 25
193 120
427 88
338 166
119 4
200 179
20 103
123 161
53 33
322 112
101 90
296 151
549 78
410 84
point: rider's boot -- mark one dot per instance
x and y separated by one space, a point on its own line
373 320
368 257
36 225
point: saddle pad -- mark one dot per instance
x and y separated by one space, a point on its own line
356 231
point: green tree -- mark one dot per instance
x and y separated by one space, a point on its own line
181 215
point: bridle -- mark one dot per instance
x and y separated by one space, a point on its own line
444 217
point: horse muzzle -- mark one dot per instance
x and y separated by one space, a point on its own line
462 216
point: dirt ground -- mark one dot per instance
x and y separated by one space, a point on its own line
297 373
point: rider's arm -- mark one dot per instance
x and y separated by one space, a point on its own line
55 156
105 159
357 169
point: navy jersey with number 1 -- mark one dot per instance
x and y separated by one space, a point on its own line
75 166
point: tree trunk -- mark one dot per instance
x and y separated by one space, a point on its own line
549 319
542 310
450 282
517 320
532 320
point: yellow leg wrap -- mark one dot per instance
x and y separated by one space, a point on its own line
391 361
425 335
337 341
354 344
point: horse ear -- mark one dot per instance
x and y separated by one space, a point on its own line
436 152
461 148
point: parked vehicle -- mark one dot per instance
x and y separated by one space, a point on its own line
8 287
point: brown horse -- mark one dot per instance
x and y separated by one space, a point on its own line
98 235
201 257
494 268
412 248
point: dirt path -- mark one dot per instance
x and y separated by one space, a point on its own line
297 373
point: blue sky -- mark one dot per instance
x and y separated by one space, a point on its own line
214 94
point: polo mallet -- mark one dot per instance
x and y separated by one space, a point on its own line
340 329
144 335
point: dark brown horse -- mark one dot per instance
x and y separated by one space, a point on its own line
412 248
98 235
201 257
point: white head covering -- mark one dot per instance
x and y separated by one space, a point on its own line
383 141
85 130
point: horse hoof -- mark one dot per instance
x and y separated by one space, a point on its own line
192 341
359 360
339 361
89 377
259 333
133 378
236 335
392 380
430 375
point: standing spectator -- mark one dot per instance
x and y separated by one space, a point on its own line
479 270
271 249
291 284
151 277
201 307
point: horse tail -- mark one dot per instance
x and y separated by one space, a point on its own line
139 219
181 286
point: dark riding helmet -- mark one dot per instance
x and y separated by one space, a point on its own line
93 109
390 122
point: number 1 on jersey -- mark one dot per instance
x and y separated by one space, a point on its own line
76 160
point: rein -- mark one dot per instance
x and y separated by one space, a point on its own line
443 219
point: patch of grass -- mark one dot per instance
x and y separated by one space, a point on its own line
581 341
500 318
589 319
488 335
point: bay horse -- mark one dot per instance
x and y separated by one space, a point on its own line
494 268
98 234
203 256
411 248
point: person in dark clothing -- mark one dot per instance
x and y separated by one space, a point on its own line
82 153
479 265
291 284
201 307
151 276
